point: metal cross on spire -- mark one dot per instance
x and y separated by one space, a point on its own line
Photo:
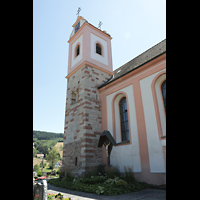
100 23
78 11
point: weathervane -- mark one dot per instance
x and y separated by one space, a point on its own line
78 11
100 23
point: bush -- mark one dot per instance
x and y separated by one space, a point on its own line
85 187
93 171
36 168
100 190
39 174
68 177
65 174
96 171
101 170
121 182
109 187
93 180
129 175
112 172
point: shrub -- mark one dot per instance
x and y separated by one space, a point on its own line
68 177
39 174
129 175
65 174
85 187
61 174
109 187
121 182
112 172
117 181
96 171
100 190
59 196
36 168
93 180
101 170
93 171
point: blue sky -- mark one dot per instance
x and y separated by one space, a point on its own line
135 26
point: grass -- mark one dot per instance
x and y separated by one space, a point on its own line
57 146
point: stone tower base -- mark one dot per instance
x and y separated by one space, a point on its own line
83 118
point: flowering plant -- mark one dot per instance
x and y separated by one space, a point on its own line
56 196
59 196
36 197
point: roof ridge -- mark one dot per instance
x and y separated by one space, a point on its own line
138 61
138 55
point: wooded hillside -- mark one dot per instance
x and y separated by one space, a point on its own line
43 135
43 142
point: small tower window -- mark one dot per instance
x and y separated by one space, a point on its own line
77 50
98 49
74 98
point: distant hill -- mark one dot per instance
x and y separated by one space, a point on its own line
43 135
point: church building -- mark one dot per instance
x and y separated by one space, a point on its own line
129 102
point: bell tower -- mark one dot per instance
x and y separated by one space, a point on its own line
89 65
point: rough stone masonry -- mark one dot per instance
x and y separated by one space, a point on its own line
83 120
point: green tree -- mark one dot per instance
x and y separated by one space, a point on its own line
34 152
52 157
43 149
44 164
36 168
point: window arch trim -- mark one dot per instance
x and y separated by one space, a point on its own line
156 105
161 84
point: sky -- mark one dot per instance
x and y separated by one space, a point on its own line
134 25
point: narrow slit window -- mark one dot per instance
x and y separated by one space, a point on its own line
98 49
76 160
163 89
124 119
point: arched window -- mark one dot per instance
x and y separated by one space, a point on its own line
163 89
77 50
98 49
124 119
